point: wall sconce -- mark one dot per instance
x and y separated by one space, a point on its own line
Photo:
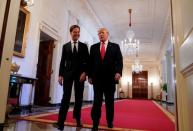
27 3
151 84
128 91
120 90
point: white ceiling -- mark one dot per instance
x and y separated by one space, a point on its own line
150 21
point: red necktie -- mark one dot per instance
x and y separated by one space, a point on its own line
102 50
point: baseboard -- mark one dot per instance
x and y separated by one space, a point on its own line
23 107
51 105
88 101
167 102
71 103
121 98
54 104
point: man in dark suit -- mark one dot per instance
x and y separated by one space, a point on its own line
105 69
73 69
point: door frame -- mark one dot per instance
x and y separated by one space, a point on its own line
7 53
52 32
51 41
183 86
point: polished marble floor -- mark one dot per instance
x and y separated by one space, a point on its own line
16 125
36 126
13 124
169 107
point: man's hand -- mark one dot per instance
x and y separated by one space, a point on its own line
117 76
60 80
90 80
83 77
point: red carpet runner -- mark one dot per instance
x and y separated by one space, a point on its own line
129 114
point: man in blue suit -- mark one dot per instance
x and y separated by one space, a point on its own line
105 70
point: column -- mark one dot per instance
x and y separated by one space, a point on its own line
170 93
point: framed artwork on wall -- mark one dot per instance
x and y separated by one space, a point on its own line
21 32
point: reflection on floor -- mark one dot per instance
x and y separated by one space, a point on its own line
35 126
168 106
15 125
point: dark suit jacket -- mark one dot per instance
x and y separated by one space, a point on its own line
70 66
105 70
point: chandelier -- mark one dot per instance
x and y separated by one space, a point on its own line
131 46
137 67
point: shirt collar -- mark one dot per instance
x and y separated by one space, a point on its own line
106 42
72 42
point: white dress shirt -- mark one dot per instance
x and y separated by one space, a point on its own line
72 45
106 43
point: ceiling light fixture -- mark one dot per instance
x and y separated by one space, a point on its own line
131 45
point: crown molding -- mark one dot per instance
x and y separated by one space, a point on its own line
91 10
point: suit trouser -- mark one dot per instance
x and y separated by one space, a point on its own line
67 89
108 90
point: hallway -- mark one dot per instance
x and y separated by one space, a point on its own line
21 125
155 38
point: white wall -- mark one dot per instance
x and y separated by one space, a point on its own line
153 82
57 22
42 11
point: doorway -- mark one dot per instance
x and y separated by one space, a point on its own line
44 70
140 85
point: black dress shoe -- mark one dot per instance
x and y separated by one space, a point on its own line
78 123
95 128
56 125
59 126
110 125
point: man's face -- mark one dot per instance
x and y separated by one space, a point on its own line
103 35
75 34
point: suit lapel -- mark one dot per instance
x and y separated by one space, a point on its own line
79 47
107 50
69 47
98 51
